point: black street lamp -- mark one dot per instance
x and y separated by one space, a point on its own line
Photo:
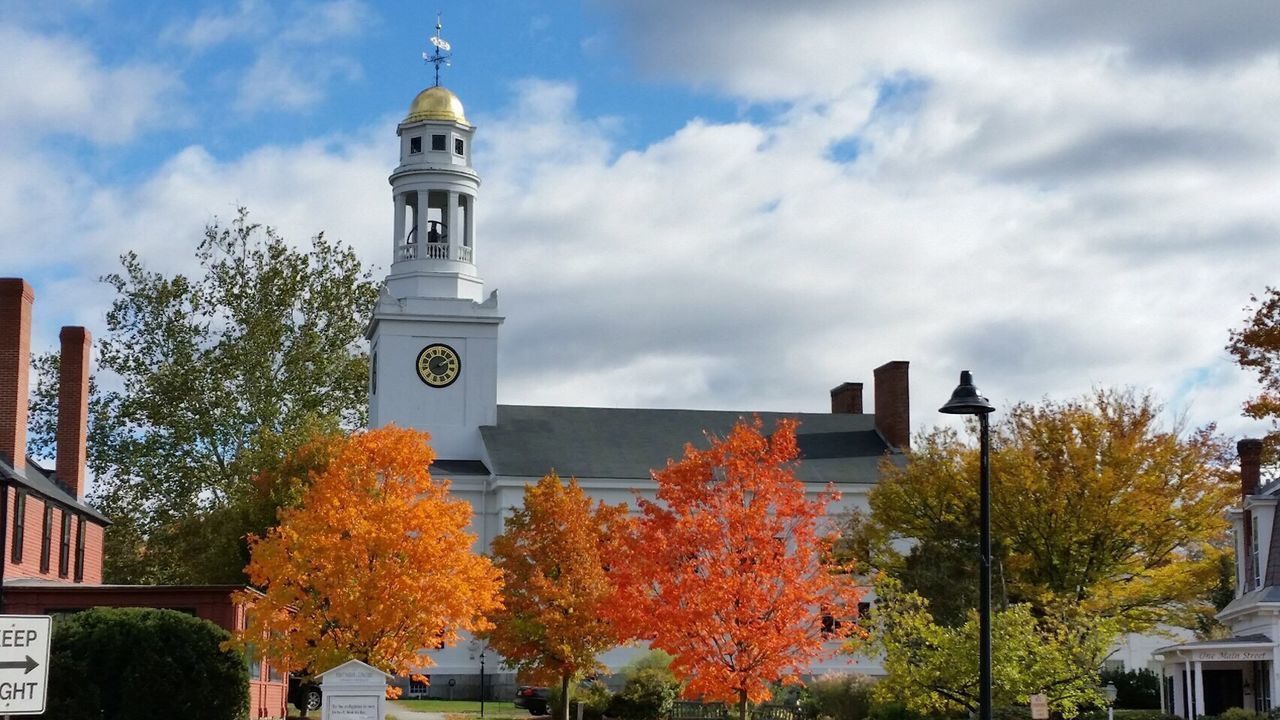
966 400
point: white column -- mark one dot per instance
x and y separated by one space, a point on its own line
1163 709
454 226
1180 693
1199 688
399 233
423 229
471 224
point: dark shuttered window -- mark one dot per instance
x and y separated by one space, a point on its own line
64 545
79 549
46 537
19 525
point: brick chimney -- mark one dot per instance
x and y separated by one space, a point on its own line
847 398
73 408
16 298
1250 466
893 403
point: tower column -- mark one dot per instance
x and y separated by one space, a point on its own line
422 223
454 225
398 236
471 222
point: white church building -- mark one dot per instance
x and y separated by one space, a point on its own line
434 366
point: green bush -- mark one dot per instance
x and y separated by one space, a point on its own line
1139 715
1236 713
139 664
648 694
1135 689
594 698
892 710
838 697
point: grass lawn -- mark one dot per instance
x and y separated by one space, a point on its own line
469 708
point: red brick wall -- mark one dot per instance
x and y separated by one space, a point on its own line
33 533
16 298
893 403
92 553
73 408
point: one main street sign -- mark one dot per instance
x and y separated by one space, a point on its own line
24 663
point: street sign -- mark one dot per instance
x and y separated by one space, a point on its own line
1039 707
24 663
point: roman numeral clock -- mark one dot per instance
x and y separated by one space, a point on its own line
439 365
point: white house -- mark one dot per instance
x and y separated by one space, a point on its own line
1206 677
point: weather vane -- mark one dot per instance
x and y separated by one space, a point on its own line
441 54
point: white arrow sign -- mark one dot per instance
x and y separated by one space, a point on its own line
24 663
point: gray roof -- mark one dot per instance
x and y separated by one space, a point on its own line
42 482
583 442
1254 639
1268 594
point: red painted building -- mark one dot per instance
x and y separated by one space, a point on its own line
52 547
51 534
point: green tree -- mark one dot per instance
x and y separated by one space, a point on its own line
206 381
933 669
1095 506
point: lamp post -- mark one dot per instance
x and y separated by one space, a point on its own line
965 400
1110 691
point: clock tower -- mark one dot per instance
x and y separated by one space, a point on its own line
434 335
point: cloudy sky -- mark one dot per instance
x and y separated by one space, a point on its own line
732 205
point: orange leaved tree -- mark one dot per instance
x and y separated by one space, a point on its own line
727 571
552 555
374 564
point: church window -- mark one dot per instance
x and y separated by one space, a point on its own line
373 374
437 143
415 145
458 146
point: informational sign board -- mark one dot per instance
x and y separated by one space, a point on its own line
345 707
24 663
353 691
1039 707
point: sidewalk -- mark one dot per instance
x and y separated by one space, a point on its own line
400 712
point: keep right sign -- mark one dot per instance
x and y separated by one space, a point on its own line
24 663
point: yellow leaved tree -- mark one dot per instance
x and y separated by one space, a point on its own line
552 554
374 564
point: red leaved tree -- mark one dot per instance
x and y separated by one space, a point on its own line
727 571
552 555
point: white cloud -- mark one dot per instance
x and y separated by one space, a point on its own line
297 52
1092 211
50 84
249 21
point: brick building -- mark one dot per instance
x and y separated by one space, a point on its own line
51 534
53 540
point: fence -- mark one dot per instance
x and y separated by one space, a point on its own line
686 710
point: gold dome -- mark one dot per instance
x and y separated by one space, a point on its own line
436 103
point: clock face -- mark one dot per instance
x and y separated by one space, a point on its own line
439 365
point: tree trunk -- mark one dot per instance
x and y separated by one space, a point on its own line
742 705
564 695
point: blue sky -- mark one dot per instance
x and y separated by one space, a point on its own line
713 204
